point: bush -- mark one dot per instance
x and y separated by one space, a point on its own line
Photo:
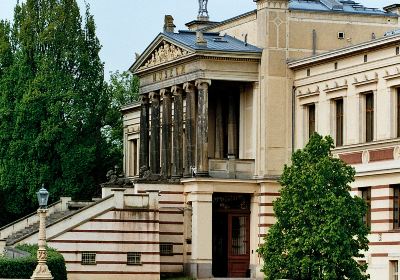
23 268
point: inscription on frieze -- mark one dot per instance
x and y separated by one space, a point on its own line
169 73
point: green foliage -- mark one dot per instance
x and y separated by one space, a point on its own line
22 268
122 89
319 228
54 107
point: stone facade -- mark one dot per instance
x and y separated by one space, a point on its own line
347 77
236 125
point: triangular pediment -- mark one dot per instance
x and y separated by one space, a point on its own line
161 51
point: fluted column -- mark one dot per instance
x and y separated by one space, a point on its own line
190 131
177 170
155 133
232 128
202 128
166 134
144 135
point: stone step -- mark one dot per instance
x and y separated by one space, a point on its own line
19 235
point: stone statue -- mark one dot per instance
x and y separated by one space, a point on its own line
203 12
115 180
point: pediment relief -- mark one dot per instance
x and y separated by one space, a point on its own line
165 52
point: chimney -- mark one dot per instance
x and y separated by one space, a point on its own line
200 41
169 25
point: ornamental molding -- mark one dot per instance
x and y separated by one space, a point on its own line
165 52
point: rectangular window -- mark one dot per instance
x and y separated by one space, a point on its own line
311 120
394 270
134 258
366 195
88 258
365 58
166 249
339 122
396 205
398 112
369 117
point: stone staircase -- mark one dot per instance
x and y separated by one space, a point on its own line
33 228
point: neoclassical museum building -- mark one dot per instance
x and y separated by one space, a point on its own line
222 107
224 104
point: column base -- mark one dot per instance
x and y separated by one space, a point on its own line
199 270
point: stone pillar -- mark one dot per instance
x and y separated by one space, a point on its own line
190 128
155 133
232 128
202 128
201 260
144 135
177 171
219 131
2 247
166 134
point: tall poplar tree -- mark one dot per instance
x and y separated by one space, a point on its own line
319 229
53 106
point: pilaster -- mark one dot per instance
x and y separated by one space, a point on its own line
201 261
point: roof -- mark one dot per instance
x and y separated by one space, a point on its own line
215 42
334 54
336 6
216 24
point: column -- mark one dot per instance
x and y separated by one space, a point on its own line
219 130
201 260
178 132
190 131
155 133
166 134
232 128
144 135
202 128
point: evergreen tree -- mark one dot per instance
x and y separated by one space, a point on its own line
53 106
319 229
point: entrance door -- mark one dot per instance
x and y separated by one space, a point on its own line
238 245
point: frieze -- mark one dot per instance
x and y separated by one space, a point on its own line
169 73
164 53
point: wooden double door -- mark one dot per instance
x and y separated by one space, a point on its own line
231 244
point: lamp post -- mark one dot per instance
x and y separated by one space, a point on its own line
42 272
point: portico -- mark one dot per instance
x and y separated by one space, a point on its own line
194 87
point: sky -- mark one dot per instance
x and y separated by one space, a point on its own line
126 27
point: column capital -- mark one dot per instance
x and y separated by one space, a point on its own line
144 98
202 83
177 90
154 96
189 87
165 92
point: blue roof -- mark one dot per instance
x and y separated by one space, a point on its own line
338 6
215 42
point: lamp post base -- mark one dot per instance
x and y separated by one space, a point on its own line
42 272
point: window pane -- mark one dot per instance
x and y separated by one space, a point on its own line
369 118
239 236
398 112
396 206
366 195
311 120
339 122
